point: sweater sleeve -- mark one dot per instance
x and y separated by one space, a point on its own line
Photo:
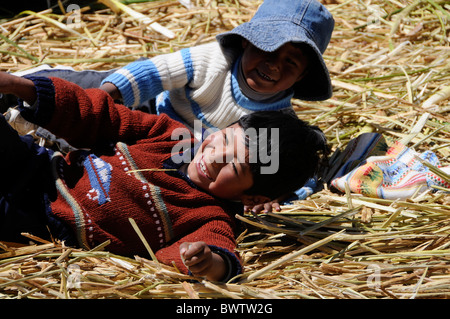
85 118
218 235
142 80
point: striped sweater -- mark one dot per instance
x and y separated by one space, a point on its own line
198 83
99 190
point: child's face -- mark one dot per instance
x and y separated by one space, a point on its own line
219 167
272 72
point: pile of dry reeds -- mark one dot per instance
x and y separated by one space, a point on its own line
390 66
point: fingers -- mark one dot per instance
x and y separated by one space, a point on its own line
197 257
276 206
265 208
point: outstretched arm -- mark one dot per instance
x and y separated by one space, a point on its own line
89 116
18 86
207 252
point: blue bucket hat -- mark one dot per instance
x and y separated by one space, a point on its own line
277 22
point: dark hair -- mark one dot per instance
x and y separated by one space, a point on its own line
301 148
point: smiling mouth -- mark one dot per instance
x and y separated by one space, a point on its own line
202 166
265 76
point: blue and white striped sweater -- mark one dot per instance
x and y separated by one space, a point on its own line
198 83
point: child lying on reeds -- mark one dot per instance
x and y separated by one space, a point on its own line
131 164
258 66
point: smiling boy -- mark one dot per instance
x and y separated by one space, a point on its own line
127 170
220 165
258 66
273 72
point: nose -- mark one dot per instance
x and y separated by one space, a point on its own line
220 156
272 61
213 150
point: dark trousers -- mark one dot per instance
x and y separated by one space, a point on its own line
85 79
26 188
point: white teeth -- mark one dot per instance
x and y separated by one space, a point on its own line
203 168
264 76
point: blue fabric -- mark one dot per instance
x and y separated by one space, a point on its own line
130 81
163 106
20 158
99 173
308 189
278 22
186 56
150 86
125 88
196 109
45 96
26 187
233 265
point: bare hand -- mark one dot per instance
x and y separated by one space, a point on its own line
201 261
265 208
112 90
18 86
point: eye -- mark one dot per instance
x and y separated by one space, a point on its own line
225 139
291 61
234 168
226 143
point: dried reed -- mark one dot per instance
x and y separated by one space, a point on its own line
389 62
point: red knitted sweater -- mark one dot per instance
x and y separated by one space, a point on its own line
98 191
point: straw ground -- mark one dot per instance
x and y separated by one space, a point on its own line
389 62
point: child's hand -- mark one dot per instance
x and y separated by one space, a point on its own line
18 86
7 82
201 261
265 208
112 90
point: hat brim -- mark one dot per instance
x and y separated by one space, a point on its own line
316 85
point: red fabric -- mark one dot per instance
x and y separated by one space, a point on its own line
167 209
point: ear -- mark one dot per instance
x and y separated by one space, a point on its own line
252 200
307 68
301 76
304 73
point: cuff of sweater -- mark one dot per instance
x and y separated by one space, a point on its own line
124 86
42 110
232 263
137 82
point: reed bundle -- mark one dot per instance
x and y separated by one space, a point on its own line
389 62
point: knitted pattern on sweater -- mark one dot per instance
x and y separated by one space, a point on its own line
99 190
198 83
